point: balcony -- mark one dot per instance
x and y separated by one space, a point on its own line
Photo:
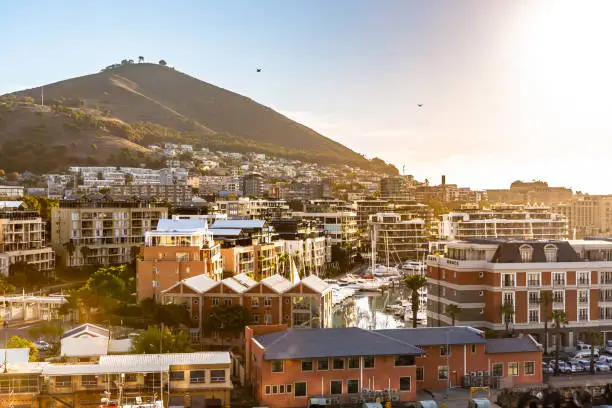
558 304
583 300
582 281
533 283
508 283
558 282
534 301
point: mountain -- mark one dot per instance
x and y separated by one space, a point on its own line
109 118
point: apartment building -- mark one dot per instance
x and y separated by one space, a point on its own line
340 227
588 214
11 192
254 208
396 239
173 193
213 185
504 221
94 229
480 276
22 238
531 192
273 300
310 254
287 367
252 185
176 250
396 188
176 379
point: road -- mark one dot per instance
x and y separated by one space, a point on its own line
17 329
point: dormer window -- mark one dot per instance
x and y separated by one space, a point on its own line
550 251
526 253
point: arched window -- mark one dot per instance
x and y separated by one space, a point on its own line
550 251
526 253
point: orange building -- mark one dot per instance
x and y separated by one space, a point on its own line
176 250
286 367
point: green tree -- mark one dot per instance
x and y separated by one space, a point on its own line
19 342
13 176
26 275
140 59
155 339
163 62
227 321
49 331
453 310
559 319
546 301
507 312
2 173
172 315
414 283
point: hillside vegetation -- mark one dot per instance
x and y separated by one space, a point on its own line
110 116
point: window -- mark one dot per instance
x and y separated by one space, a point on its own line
89 380
277 366
306 365
323 364
338 364
583 296
267 302
215 301
473 349
534 298
583 314
281 389
335 387
368 362
529 368
443 274
196 376
558 278
177 375
267 318
420 373
481 274
268 390
300 389
404 383
442 372
443 350
353 362
217 376
255 317
583 278
227 301
533 279
254 301
131 377
526 253
498 370
403 361
508 280
352 386
513 369
550 251
156 284
289 387
275 389
534 316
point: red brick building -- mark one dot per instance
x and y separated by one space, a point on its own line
286 366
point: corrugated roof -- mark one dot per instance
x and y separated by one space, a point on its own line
226 232
433 336
138 363
277 283
189 225
10 204
199 283
14 355
92 328
511 345
315 283
295 344
234 285
245 280
238 224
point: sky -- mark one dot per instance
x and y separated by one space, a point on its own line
509 89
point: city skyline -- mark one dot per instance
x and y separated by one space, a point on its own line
507 88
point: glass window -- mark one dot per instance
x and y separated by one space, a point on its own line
335 387
498 370
215 301
529 368
217 376
277 366
177 375
275 389
353 362
281 389
196 376
268 390
306 365
403 361
442 372
443 350
473 348
368 362
300 389
289 386
513 368
338 364
404 383
227 301
420 373
352 386
323 364
89 380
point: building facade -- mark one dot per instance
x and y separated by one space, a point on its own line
252 185
173 193
396 239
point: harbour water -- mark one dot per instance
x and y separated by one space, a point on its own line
369 310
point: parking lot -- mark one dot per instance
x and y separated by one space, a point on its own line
579 361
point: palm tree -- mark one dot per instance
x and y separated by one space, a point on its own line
546 300
453 311
507 311
559 319
282 259
594 338
140 59
414 283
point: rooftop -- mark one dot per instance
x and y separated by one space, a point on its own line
189 225
238 224
200 283
315 283
432 336
86 328
293 344
277 283
512 345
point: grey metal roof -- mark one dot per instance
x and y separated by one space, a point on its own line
511 345
92 328
168 225
225 232
238 224
293 344
433 336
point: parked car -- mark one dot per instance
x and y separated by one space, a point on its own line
42 345
547 368
608 348
564 367
585 353
601 366
576 368
605 358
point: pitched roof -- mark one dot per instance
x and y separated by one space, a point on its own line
433 336
294 344
92 328
199 283
509 252
315 283
238 224
277 283
239 283
245 279
511 345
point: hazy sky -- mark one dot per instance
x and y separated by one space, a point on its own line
510 89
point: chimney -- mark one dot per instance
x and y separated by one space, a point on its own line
443 180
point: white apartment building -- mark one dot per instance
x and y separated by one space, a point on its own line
504 221
254 208
340 227
396 239
7 192
311 254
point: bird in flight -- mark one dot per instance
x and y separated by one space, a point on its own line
258 69
419 105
